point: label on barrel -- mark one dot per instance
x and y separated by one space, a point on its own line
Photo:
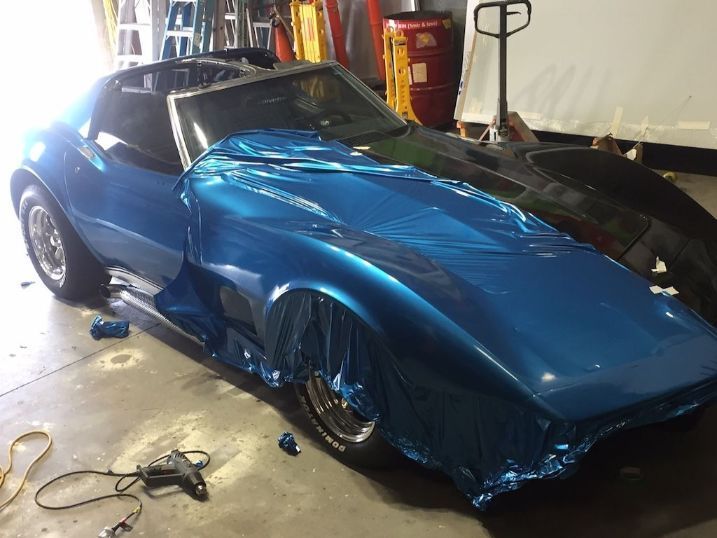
425 39
420 25
420 73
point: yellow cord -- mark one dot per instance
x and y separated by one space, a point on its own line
4 472
111 23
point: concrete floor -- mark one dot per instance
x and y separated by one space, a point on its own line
117 403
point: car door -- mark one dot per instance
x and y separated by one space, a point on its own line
121 183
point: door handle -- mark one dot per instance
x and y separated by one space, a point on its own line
87 152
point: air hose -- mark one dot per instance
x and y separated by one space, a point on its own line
23 481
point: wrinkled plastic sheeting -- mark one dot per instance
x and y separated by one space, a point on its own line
288 444
487 445
108 329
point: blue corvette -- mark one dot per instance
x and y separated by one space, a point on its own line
488 310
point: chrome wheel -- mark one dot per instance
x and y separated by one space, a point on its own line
46 243
336 412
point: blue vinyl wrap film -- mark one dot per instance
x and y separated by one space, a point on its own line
108 329
482 341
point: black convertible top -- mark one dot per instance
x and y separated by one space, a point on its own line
255 56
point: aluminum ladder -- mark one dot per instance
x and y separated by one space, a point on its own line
189 28
140 24
237 23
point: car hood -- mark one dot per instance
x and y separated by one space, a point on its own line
559 201
553 312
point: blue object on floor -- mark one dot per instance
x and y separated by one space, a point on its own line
288 443
103 329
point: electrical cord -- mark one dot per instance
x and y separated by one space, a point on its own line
4 472
120 490
122 523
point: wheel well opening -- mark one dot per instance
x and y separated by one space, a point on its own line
19 181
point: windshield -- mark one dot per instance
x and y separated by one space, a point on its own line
327 100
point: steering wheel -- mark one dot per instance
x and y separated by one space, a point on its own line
323 119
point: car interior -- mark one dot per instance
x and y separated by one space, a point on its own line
135 128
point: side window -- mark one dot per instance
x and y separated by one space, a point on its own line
135 128
181 77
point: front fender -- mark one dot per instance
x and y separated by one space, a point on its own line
432 349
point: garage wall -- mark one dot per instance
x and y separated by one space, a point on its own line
456 7
642 70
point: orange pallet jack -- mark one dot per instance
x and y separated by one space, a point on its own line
375 19
337 32
281 37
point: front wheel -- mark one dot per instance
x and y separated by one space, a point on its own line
61 260
345 433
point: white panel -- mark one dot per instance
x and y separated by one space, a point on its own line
643 69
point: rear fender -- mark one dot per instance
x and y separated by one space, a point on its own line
43 164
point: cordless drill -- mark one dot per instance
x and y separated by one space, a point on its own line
177 471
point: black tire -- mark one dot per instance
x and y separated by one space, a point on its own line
82 274
372 451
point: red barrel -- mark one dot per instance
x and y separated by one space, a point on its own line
430 54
